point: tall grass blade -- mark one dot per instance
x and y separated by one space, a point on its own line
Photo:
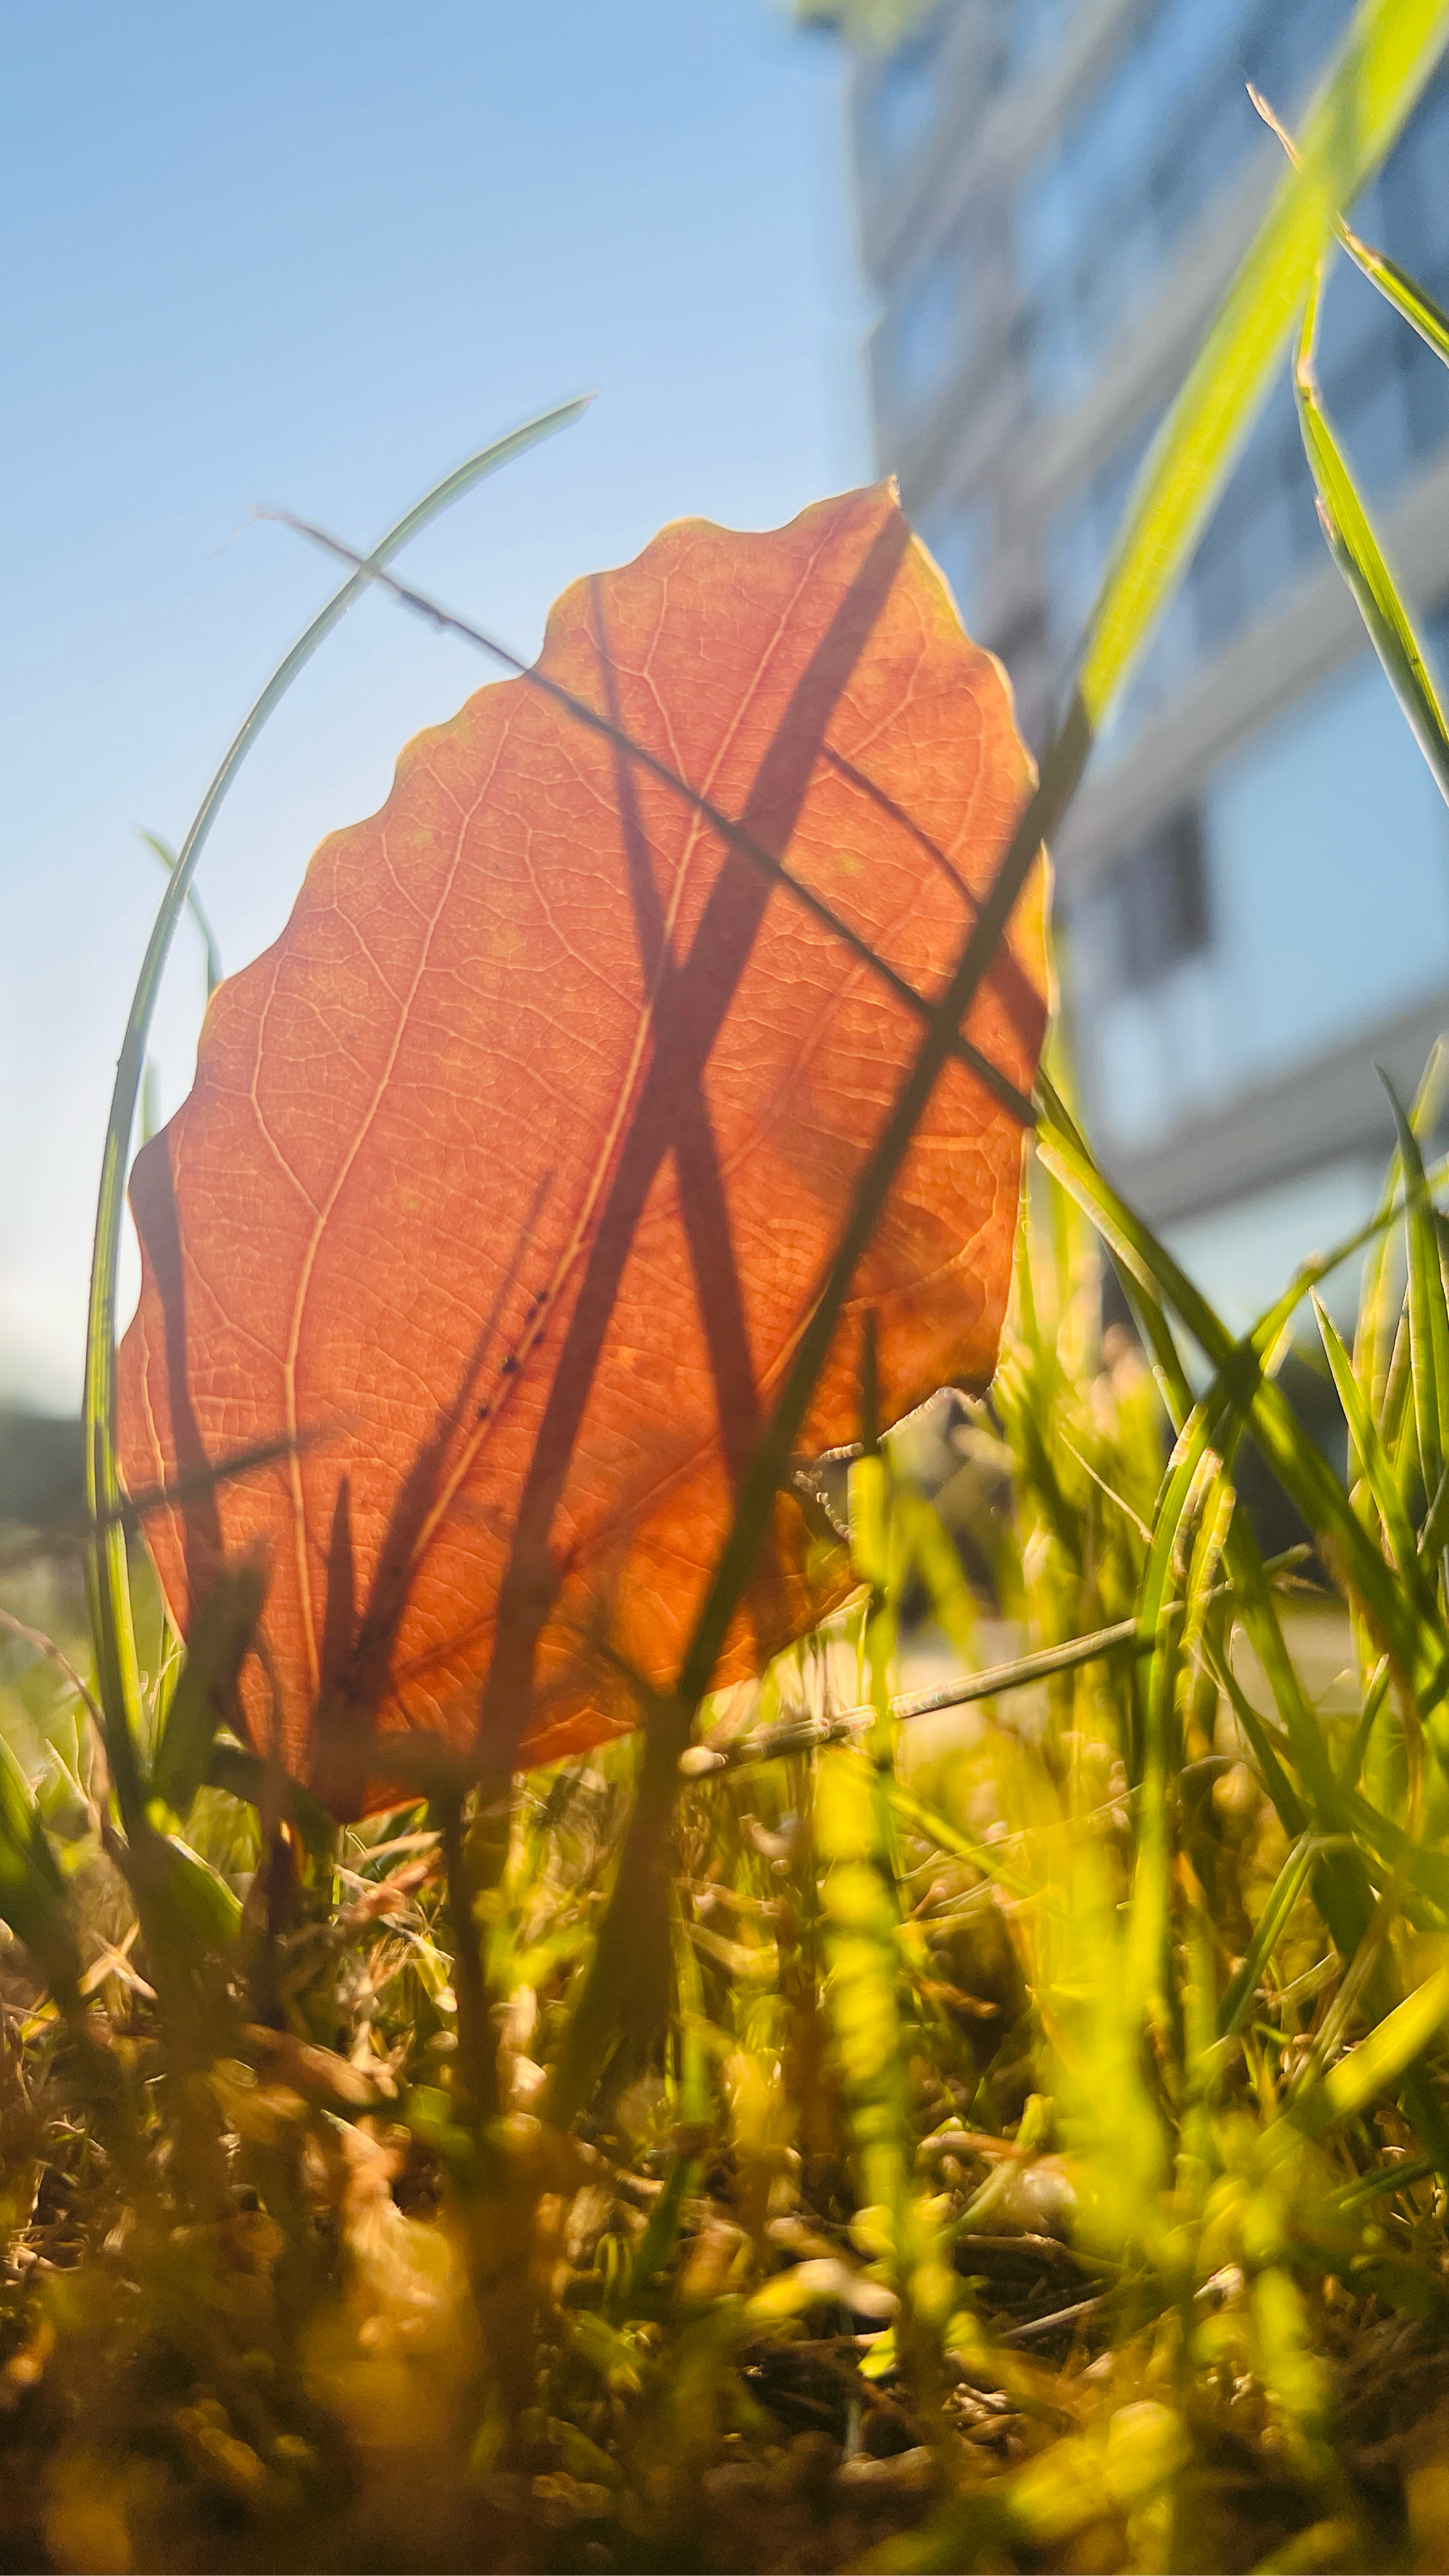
33 1899
204 1696
209 941
1428 1309
1421 1644
1363 1431
107 1571
1353 542
1402 291
1380 1303
1381 67
1288 1886
1393 283
1377 2063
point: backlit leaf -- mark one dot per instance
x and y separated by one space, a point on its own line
511 1170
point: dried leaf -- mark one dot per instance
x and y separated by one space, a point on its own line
511 1169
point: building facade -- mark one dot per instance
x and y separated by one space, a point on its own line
1254 881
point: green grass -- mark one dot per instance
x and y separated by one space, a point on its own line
1020 2171
803 2136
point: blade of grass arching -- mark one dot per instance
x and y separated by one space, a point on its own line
1355 547
1380 69
1156 1275
1424 1871
1390 1847
1334 1810
1213 1425
1328 1807
108 1584
193 905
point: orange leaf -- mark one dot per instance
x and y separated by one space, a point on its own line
510 1171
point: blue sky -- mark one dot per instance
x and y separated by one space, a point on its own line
301 252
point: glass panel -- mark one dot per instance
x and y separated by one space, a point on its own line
1388 396
1326 854
1328 860
1100 215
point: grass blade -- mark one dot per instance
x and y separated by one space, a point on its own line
1355 547
243 1774
32 1892
1381 67
1291 1880
1421 1644
1363 1432
1396 286
107 1571
205 1694
209 943
1402 291
1428 1309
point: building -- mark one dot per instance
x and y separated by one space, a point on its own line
1254 881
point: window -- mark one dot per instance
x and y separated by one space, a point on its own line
1144 983
1147 914
1328 847
1388 396
1308 903
1101 214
